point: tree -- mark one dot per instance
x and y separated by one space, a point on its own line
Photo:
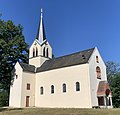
13 48
3 96
112 69
115 86
113 75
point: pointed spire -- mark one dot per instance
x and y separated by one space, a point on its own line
41 31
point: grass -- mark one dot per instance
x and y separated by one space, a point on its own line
57 111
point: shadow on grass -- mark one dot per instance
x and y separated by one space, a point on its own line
2 109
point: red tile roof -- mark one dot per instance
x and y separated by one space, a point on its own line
103 89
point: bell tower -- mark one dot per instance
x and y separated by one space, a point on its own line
40 50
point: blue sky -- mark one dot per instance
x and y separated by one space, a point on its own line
71 25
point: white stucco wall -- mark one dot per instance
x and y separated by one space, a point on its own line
28 78
37 61
85 74
16 88
69 76
94 82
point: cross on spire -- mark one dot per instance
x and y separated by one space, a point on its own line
41 12
41 31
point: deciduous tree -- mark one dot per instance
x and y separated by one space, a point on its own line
113 75
13 48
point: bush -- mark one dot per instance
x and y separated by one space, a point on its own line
3 98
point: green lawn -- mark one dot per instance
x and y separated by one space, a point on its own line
57 111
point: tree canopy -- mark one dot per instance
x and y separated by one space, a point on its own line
113 75
115 86
112 69
13 48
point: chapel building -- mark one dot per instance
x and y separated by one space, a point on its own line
77 80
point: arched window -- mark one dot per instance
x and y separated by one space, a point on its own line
33 52
44 52
36 52
77 86
47 53
52 88
41 90
64 87
98 72
97 59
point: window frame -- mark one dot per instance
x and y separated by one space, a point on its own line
47 52
44 52
41 90
33 52
52 89
28 86
77 86
16 76
64 88
36 51
98 72
97 59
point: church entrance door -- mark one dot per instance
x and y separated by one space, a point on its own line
27 101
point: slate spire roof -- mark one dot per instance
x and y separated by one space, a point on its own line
41 30
78 58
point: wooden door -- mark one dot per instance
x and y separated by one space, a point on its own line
27 101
